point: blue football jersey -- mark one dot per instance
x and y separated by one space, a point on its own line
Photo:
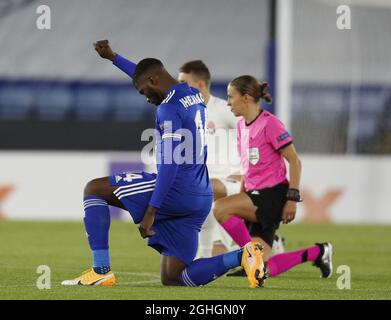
181 148
180 190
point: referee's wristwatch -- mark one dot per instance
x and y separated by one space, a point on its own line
294 195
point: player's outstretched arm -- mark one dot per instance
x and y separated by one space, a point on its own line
104 50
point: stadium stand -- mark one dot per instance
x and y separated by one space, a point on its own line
52 75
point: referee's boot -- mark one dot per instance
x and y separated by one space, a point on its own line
324 261
253 265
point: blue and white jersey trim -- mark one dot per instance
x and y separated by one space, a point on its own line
135 188
169 96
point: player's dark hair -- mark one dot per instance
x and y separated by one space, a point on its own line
251 86
197 68
146 65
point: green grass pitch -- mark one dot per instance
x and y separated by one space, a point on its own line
63 247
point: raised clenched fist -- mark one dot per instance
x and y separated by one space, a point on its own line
104 50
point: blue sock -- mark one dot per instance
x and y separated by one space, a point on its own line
101 261
97 225
203 271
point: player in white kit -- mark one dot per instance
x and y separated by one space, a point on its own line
223 161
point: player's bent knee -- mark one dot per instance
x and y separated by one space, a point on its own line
170 281
219 212
219 189
166 282
91 188
97 187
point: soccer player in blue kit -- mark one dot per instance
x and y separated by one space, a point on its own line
170 206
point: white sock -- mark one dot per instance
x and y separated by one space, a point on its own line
207 236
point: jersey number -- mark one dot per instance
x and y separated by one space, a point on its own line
130 176
200 127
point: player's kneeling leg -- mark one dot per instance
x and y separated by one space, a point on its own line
199 272
203 271
171 268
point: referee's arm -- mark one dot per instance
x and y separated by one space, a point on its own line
290 154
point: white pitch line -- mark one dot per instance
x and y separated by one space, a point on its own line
146 274
154 276
138 282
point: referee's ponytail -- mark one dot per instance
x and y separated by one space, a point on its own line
251 86
265 95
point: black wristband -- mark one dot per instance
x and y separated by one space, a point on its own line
294 195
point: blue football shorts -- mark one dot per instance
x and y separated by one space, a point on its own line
177 222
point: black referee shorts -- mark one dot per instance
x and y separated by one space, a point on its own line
270 202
